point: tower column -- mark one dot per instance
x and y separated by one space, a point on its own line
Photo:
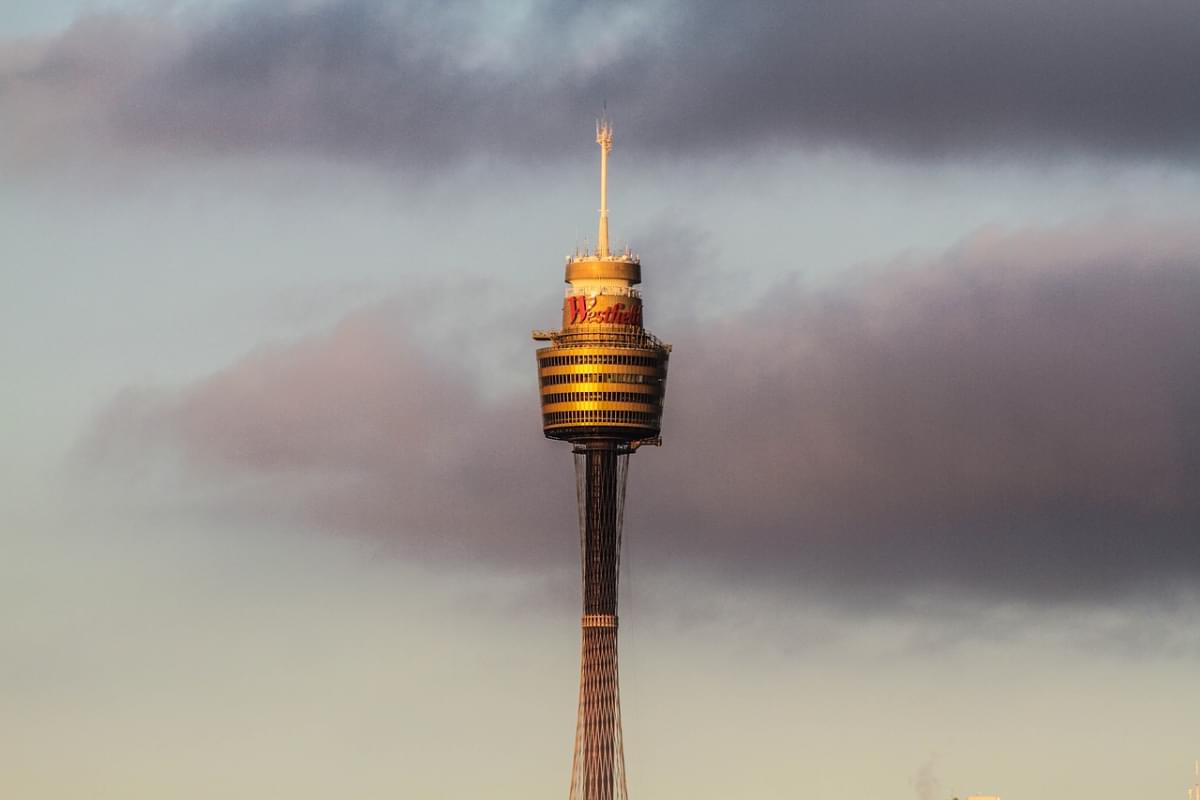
598 770
601 380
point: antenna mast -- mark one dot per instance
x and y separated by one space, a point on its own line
604 139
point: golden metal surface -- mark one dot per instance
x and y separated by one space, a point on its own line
602 391
595 269
635 393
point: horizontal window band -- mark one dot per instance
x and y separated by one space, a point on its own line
596 416
652 390
652 409
636 359
601 397
602 377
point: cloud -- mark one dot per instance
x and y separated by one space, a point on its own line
368 428
425 84
1015 420
60 96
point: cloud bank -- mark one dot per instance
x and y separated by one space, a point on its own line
425 84
1018 418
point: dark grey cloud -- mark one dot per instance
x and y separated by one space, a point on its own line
425 84
1018 419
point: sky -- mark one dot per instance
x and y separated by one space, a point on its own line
278 518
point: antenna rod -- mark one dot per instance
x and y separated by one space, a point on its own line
604 139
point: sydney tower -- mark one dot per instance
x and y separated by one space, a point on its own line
602 383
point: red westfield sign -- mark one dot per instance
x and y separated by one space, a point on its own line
581 310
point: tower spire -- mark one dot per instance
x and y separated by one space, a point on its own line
604 139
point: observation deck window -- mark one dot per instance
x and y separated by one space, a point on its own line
594 416
600 377
601 358
602 397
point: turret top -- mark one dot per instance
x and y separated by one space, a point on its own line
602 265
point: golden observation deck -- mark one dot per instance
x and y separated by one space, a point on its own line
604 376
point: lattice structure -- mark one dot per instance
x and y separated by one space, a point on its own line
603 379
598 769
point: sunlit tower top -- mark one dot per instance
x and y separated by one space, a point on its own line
604 375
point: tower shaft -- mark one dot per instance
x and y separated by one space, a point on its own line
598 768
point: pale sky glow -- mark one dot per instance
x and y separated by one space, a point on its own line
278 518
